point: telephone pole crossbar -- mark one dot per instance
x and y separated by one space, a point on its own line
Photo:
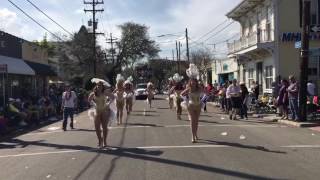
94 3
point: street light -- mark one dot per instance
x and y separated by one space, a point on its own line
164 35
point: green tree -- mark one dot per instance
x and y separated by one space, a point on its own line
76 57
134 45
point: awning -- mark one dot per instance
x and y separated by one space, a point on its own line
16 66
41 69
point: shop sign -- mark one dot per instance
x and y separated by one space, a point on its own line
294 37
3 68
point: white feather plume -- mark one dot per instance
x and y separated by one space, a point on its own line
97 80
177 78
119 78
193 71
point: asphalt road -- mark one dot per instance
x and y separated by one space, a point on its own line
153 145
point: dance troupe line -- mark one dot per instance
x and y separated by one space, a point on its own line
108 105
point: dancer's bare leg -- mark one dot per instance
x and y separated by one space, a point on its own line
104 123
97 124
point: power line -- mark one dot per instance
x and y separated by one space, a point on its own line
202 42
225 27
35 20
49 17
213 29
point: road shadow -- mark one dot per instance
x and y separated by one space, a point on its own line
238 145
143 124
163 108
205 115
140 154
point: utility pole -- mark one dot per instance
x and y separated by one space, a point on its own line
304 59
178 64
187 42
179 58
94 27
112 41
172 54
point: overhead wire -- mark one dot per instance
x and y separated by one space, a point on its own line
35 20
35 6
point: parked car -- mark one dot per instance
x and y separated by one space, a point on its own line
141 91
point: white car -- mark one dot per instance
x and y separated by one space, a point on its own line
141 91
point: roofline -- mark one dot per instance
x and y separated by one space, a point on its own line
233 9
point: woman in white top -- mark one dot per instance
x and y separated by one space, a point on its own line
193 91
101 98
119 93
129 93
150 92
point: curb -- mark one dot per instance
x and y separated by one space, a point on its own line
299 124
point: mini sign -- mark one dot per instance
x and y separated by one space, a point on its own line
3 68
297 44
315 29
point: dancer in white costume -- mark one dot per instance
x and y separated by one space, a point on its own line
129 94
170 93
150 92
176 90
119 93
193 91
101 98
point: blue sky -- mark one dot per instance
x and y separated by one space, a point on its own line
161 16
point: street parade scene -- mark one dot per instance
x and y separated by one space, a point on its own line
159 89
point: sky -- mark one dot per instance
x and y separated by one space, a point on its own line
163 17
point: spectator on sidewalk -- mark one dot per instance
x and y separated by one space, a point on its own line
69 103
282 100
234 93
293 92
255 90
311 89
244 98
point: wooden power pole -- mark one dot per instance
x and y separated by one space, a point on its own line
304 59
187 42
111 41
94 3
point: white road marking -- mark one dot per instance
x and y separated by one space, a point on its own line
180 147
143 147
40 153
169 126
144 112
302 146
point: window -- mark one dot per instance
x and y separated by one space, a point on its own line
250 78
312 71
269 76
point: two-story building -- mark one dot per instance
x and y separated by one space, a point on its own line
266 49
26 70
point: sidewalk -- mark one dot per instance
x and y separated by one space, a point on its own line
275 118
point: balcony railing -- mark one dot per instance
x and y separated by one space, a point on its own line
252 39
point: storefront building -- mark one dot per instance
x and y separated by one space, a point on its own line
17 78
26 72
266 49
224 70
